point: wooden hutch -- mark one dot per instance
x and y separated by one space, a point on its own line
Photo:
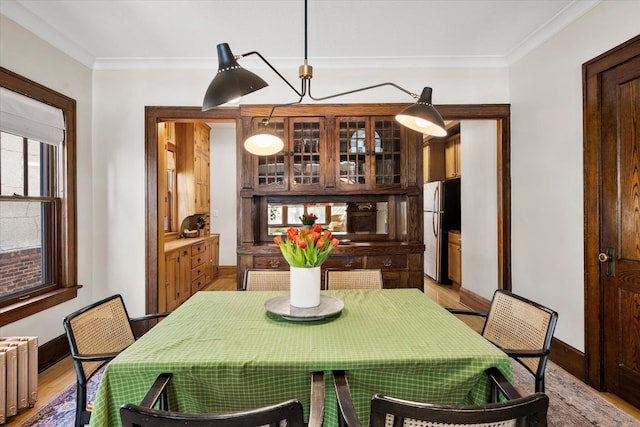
356 155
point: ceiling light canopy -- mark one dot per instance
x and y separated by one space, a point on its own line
232 82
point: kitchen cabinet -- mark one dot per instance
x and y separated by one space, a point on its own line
433 160
452 157
193 170
177 283
454 253
190 265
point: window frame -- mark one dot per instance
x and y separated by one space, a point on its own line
65 274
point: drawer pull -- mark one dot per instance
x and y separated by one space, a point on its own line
274 263
387 262
348 264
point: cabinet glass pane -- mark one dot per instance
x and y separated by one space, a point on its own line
353 149
271 169
306 152
388 155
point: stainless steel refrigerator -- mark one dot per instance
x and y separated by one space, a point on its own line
441 214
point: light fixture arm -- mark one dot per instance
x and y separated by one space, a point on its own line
301 94
413 95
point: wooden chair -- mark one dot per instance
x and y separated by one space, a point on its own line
527 411
265 280
96 334
521 328
358 278
290 412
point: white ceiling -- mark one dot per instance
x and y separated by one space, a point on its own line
119 34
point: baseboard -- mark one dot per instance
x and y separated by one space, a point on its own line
562 354
227 270
568 358
52 352
473 300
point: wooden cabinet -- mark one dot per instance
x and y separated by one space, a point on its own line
333 153
433 160
192 166
452 157
401 265
455 258
177 284
342 153
189 267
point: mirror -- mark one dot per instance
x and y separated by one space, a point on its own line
342 218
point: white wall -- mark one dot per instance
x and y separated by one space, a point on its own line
223 190
546 162
33 58
479 206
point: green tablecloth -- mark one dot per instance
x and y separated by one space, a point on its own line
227 353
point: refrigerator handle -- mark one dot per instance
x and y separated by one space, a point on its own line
436 212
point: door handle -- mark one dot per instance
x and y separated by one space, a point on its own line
608 257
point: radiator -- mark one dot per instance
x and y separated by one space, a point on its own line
18 375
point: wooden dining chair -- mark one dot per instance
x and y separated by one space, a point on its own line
96 334
529 411
289 412
521 328
256 279
357 278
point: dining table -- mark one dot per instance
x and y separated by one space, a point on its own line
235 350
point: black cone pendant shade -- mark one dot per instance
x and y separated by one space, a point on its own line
231 82
422 116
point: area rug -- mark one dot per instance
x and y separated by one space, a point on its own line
61 410
571 403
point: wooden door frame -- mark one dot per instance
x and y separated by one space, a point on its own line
592 152
154 115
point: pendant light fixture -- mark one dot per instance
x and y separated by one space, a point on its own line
232 82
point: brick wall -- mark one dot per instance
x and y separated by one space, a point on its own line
20 269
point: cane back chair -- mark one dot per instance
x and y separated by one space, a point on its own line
96 334
517 411
357 278
256 279
289 413
521 328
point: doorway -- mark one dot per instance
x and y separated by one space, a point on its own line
501 113
612 220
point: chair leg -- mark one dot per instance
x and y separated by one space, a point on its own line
540 385
81 404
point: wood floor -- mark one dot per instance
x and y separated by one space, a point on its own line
57 378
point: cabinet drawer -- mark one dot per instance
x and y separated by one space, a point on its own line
270 262
198 248
197 272
198 284
387 262
200 258
344 262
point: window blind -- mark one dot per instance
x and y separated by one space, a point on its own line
24 116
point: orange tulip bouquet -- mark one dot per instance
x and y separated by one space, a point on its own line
306 248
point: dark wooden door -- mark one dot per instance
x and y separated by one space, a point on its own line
620 229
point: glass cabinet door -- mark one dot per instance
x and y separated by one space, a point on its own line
387 152
271 170
353 152
307 152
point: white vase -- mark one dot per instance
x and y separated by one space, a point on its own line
304 287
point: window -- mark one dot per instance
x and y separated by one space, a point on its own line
38 259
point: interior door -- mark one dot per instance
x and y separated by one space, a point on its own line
620 229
